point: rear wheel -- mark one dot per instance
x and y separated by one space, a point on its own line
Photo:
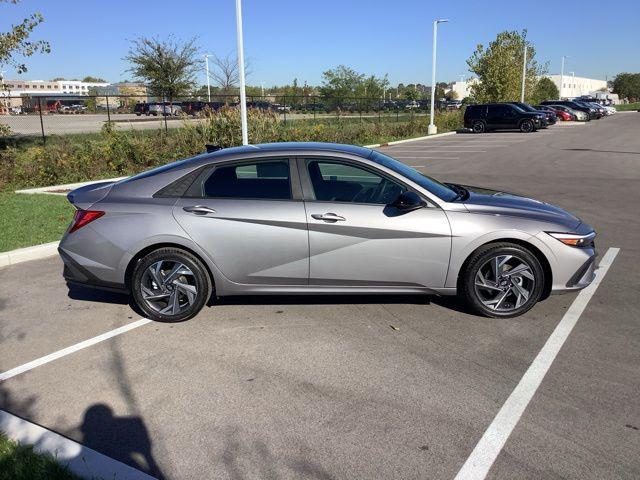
527 126
478 127
170 285
502 280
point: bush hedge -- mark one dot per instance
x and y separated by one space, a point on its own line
113 153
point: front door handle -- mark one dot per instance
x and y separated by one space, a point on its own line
328 217
199 209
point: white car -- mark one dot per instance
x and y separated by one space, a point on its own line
610 110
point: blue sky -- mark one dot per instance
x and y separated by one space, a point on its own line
287 39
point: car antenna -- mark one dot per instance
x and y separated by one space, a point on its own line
212 148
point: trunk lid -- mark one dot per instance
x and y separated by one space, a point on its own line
84 197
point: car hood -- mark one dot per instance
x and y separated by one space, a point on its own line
494 202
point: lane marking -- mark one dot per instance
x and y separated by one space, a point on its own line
494 438
81 460
440 151
69 350
415 157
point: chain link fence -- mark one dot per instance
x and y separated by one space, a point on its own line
64 115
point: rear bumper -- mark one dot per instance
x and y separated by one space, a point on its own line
76 274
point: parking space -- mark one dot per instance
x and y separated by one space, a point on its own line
357 387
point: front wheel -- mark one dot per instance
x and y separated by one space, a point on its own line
527 126
502 280
170 285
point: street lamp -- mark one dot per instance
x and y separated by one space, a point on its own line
573 83
243 95
206 63
564 57
432 128
524 74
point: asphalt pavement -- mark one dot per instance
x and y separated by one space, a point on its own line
358 387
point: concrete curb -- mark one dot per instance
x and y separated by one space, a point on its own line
29 253
397 142
81 460
51 190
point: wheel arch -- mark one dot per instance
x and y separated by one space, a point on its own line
544 262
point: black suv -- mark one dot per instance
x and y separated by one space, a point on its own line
499 116
549 119
591 112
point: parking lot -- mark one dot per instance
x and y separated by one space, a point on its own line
357 387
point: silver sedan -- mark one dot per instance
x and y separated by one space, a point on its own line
313 218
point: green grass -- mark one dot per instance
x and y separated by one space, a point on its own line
625 107
20 462
27 220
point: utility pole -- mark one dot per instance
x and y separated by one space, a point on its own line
562 75
243 94
431 129
524 74
206 63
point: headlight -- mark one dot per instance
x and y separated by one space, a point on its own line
575 240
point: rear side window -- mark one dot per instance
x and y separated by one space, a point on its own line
269 180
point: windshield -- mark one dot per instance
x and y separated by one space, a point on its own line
432 185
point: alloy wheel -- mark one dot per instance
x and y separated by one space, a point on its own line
504 283
168 287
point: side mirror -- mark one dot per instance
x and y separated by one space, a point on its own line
408 201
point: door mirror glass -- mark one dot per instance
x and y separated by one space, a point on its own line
408 201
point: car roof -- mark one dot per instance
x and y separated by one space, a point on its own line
293 146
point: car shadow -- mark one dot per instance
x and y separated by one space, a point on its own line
88 294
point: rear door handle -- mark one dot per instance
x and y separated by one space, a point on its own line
328 217
199 209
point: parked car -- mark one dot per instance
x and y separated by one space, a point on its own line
141 108
549 118
501 116
564 116
601 108
280 108
574 106
578 115
318 218
164 109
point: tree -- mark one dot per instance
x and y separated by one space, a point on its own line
411 94
342 82
167 66
627 85
499 68
545 89
91 79
16 41
225 73
452 95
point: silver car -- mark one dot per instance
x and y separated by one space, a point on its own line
315 218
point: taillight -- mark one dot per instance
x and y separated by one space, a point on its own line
84 217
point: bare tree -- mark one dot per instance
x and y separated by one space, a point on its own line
225 72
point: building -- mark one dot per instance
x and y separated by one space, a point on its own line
462 88
571 86
12 91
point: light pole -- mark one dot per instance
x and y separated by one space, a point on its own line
573 83
524 74
562 75
432 128
243 95
206 63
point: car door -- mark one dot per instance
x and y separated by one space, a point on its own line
357 239
495 116
250 219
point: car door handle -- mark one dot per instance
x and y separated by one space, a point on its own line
328 217
199 209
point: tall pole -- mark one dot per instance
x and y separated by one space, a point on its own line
206 62
573 83
524 74
562 76
432 128
243 95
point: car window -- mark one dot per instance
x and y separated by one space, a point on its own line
268 180
334 181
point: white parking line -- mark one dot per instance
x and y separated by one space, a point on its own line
490 445
437 151
69 350
416 157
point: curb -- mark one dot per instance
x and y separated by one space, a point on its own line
397 142
29 253
51 190
81 460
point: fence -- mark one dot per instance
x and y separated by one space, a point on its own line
63 114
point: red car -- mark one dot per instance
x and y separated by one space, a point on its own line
560 114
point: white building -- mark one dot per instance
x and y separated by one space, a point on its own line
571 86
462 88
19 88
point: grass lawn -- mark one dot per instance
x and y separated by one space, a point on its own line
624 107
27 220
20 462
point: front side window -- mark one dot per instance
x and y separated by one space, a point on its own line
268 180
334 181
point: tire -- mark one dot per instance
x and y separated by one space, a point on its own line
478 127
527 126
504 296
190 285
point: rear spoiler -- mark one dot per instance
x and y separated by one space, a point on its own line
212 148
